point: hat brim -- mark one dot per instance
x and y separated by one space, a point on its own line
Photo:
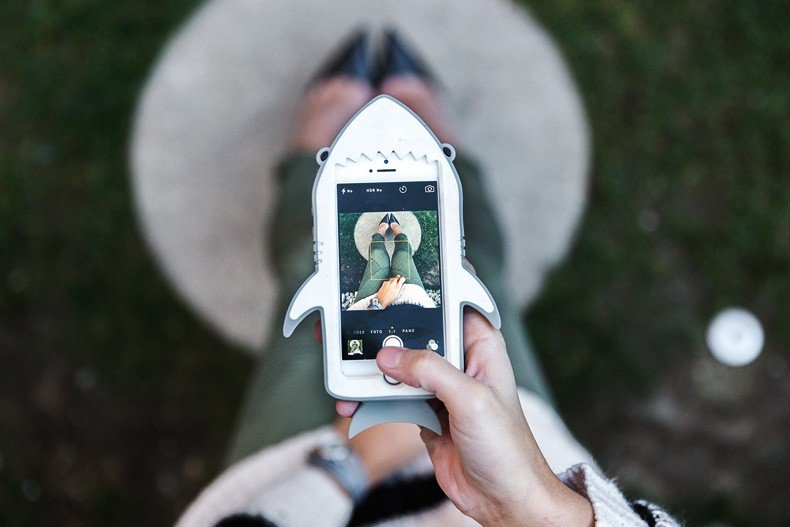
217 110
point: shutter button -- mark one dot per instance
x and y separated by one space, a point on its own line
392 341
395 342
390 380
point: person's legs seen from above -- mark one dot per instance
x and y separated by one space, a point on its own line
378 267
287 393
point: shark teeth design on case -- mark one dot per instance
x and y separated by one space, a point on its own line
407 156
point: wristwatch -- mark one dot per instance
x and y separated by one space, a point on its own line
375 304
334 456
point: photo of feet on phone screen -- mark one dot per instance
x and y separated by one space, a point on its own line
390 268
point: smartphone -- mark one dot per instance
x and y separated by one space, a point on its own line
389 262
388 252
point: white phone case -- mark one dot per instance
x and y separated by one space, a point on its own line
385 129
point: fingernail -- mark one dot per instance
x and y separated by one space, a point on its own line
389 357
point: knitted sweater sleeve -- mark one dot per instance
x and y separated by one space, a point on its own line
610 507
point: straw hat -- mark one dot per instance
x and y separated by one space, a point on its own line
217 110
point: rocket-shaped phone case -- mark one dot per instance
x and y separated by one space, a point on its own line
386 139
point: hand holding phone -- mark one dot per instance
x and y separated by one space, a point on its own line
486 460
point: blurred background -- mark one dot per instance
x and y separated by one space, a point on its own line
116 403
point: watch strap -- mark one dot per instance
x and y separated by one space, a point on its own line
375 304
348 472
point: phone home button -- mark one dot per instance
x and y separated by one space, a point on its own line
393 341
390 380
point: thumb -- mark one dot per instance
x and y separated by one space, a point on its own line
427 370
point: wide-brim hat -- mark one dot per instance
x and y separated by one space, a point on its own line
216 113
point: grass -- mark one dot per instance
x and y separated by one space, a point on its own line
115 402
689 213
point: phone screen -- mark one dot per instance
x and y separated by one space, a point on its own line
390 267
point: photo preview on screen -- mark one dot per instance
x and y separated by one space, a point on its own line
390 267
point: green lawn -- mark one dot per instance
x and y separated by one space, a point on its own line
115 402
689 104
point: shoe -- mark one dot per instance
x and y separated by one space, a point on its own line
351 59
393 219
385 219
398 59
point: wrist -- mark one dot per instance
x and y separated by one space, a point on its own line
337 460
403 445
553 504
575 509
382 301
556 505
375 465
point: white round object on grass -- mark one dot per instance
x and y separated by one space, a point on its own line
735 337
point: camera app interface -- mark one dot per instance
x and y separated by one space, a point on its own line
390 269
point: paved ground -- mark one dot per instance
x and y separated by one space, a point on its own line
115 402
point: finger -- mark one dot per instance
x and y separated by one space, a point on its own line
429 437
317 332
346 408
478 330
401 281
436 444
486 354
341 425
444 417
427 370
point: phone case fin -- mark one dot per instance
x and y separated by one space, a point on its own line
309 298
373 413
476 295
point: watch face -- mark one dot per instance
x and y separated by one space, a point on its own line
334 452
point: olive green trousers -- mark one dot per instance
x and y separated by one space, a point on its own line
381 267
